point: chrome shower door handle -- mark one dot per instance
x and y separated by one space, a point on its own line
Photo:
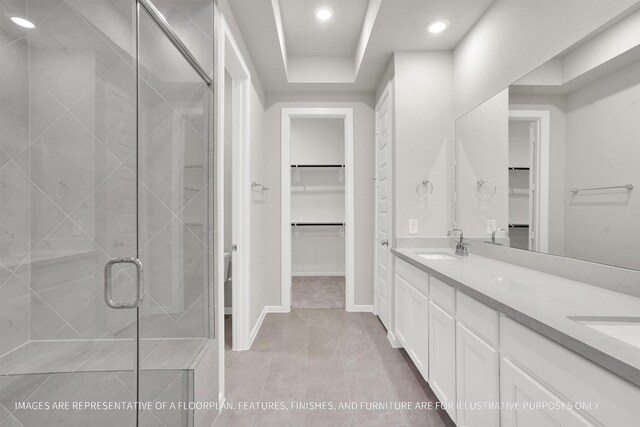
108 297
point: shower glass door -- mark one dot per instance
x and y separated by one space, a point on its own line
105 160
68 191
175 54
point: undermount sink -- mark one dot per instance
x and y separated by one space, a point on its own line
626 329
437 255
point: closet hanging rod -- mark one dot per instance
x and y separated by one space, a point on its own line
317 224
625 186
317 166
175 40
518 225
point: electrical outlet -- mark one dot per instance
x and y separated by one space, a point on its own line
491 226
413 226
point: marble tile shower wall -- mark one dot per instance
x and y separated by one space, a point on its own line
68 170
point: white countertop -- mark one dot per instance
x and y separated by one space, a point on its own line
542 302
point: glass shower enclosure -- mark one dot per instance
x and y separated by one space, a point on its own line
106 212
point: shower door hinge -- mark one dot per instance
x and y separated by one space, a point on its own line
234 247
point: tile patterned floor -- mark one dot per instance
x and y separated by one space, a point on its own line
324 355
318 292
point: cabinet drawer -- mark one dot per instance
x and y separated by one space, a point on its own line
442 294
572 376
478 317
415 277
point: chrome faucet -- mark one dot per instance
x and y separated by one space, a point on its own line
493 235
461 247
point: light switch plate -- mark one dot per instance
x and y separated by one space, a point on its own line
491 226
413 226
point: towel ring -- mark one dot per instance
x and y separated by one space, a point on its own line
486 189
424 189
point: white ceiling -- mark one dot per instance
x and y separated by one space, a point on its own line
400 26
307 36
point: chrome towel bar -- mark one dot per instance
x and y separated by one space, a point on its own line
625 186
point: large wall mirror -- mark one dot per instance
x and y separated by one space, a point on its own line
554 158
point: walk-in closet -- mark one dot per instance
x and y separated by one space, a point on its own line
317 213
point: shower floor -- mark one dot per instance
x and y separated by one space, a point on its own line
69 356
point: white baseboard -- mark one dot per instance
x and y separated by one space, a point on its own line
360 308
393 340
266 309
318 273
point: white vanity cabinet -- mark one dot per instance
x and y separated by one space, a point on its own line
521 393
442 357
471 354
411 316
477 363
534 366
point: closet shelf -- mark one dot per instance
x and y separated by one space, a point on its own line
317 166
317 224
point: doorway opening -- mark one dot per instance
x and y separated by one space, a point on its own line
317 208
529 179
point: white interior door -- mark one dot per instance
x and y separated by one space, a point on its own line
383 208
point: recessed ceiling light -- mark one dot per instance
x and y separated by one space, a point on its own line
438 26
22 22
324 13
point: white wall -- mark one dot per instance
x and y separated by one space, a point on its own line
482 143
363 107
259 235
516 36
317 141
260 203
423 140
602 150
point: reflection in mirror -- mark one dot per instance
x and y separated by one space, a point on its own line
562 147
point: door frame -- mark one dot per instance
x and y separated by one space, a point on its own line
229 58
325 113
386 93
540 223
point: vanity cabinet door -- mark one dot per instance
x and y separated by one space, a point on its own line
477 365
442 357
520 393
420 332
403 312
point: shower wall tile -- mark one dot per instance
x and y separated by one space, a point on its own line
39 10
17 388
14 224
113 20
67 56
68 162
14 97
153 109
44 109
109 109
193 37
154 213
44 321
8 30
108 214
14 313
92 386
45 215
